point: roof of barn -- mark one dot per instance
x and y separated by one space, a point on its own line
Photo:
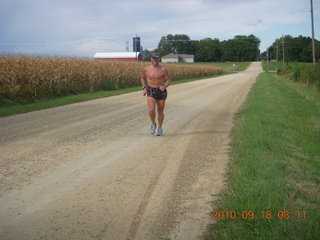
117 55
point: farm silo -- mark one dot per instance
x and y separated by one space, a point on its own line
136 44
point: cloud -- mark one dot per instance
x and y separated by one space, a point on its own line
84 27
254 22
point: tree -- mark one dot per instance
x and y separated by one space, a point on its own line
275 50
241 48
208 50
306 54
179 43
296 49
228 50
247 47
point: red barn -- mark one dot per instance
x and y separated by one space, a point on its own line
119 56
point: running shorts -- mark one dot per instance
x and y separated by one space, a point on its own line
156 93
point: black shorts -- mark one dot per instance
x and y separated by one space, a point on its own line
156 93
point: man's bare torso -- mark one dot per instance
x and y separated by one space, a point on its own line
155 75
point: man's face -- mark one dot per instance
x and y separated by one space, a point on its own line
155 61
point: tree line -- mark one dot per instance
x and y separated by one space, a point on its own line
292 49
240 48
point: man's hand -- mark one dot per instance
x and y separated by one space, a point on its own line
144 91
162 88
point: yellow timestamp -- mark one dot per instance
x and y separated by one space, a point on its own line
265 214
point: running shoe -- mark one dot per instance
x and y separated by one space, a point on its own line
153 128
160 132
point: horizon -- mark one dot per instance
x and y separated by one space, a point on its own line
83 28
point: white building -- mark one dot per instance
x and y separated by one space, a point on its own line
118 56
172 57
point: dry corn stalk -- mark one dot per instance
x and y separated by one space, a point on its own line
43 77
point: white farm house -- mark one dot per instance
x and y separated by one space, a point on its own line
172 57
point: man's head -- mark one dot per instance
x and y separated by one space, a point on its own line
155 59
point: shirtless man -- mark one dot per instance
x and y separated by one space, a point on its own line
155 79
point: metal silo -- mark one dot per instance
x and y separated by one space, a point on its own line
136 44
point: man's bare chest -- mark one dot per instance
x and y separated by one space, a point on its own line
156 74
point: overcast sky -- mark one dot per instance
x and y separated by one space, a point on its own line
84 27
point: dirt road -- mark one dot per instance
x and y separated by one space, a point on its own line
92 170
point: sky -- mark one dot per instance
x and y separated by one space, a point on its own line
81 28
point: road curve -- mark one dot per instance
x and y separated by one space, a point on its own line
91 170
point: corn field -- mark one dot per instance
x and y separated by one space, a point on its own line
31 78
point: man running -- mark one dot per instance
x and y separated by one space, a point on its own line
155 79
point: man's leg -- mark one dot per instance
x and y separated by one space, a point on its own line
160 108
152 106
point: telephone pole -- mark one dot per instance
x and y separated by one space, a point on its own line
312 27
282 49
267 59
277 54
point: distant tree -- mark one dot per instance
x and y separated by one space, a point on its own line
228 51
298 44
179 43
296 49
148 56
247 47
306 54
241 48
208 50
275 50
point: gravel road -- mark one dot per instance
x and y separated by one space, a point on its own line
91 170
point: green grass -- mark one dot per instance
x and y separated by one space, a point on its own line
275 164
271 66
274 66
305 73
38 105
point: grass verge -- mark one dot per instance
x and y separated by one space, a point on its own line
274 171
60 101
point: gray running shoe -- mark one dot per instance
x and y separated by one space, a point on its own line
153 128
160 132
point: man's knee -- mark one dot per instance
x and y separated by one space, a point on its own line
152 111
160 111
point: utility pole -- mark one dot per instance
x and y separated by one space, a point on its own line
312 27
268 60
277 54
283 49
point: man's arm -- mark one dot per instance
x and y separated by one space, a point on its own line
143 77
143 81
167 78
